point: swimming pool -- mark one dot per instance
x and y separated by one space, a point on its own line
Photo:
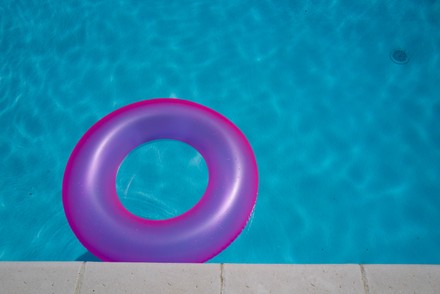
347 141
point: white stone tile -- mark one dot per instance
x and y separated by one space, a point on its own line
403 278
36 278
58 277
241 278
150 278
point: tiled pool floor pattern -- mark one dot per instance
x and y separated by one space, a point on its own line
91 277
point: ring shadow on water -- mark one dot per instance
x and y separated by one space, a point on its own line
87 257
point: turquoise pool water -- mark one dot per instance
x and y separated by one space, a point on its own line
347 141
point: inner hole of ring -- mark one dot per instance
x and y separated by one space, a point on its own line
161 179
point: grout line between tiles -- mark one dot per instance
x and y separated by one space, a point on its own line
364 279
222 278
80 278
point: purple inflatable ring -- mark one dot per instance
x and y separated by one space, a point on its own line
112 233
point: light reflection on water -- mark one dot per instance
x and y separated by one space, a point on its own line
346 141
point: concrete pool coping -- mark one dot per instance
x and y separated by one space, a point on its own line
98 277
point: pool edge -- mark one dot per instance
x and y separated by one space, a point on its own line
96 277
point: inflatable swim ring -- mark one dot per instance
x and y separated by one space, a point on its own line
112 233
